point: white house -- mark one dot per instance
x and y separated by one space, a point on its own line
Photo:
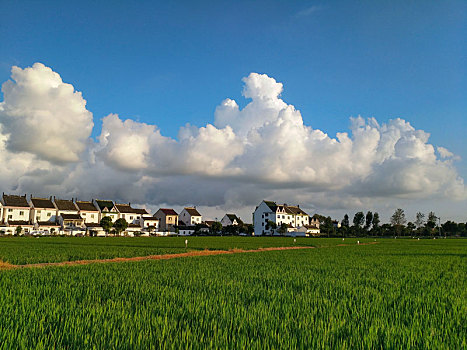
16 213
190 216
149 223
266 211
128 213
43 215
15 208
106 208
231 220
42 210
88 211
68 217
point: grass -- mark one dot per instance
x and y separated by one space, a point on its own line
396 294
28 250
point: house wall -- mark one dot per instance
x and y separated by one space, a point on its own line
131 218
90 217
260 217
150 222
46 214
188 219
112 215
16 214
226 221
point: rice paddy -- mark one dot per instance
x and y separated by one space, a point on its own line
395 294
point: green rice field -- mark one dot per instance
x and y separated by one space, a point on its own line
397 294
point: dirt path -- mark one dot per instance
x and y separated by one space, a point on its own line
4 265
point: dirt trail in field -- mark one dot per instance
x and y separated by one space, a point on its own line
8 266
5 265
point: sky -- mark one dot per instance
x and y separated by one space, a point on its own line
339 106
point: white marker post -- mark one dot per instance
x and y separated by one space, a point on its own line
358 242
294 240
186 243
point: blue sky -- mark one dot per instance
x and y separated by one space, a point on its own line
172 63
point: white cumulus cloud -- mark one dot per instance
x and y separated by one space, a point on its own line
44 116
263 150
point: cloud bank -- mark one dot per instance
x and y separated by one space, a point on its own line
261 151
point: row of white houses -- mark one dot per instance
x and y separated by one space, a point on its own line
34 215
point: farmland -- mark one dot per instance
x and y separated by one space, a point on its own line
395 294
27 250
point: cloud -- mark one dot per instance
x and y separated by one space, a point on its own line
263 150
44 116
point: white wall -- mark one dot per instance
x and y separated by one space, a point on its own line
16 214
47 214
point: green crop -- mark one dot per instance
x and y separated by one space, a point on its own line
400 294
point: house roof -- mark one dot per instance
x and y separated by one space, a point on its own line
296 210
71 216
15 201
63 204
150 218
141 211
85 206
272 205
19 223
42 203
92 224
168 211
192 211
134 226
125 208
105 204
208 222
233 217
48 223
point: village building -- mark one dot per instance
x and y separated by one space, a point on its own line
267 211
168 219
42 210
128 213
149 224
88 211
15 213
106 208
231 220
43 215
68 217
190 216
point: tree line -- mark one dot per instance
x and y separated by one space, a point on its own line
369 224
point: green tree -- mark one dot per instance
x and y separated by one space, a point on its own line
398 220
106 224
120 225
431 222
345 221
282 229
249 229
18 230
358 221
375 223
271 225
410 228
368 220
215 228
419 221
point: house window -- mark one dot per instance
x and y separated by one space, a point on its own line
21 213
10 217
49 214
92 216
10 210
